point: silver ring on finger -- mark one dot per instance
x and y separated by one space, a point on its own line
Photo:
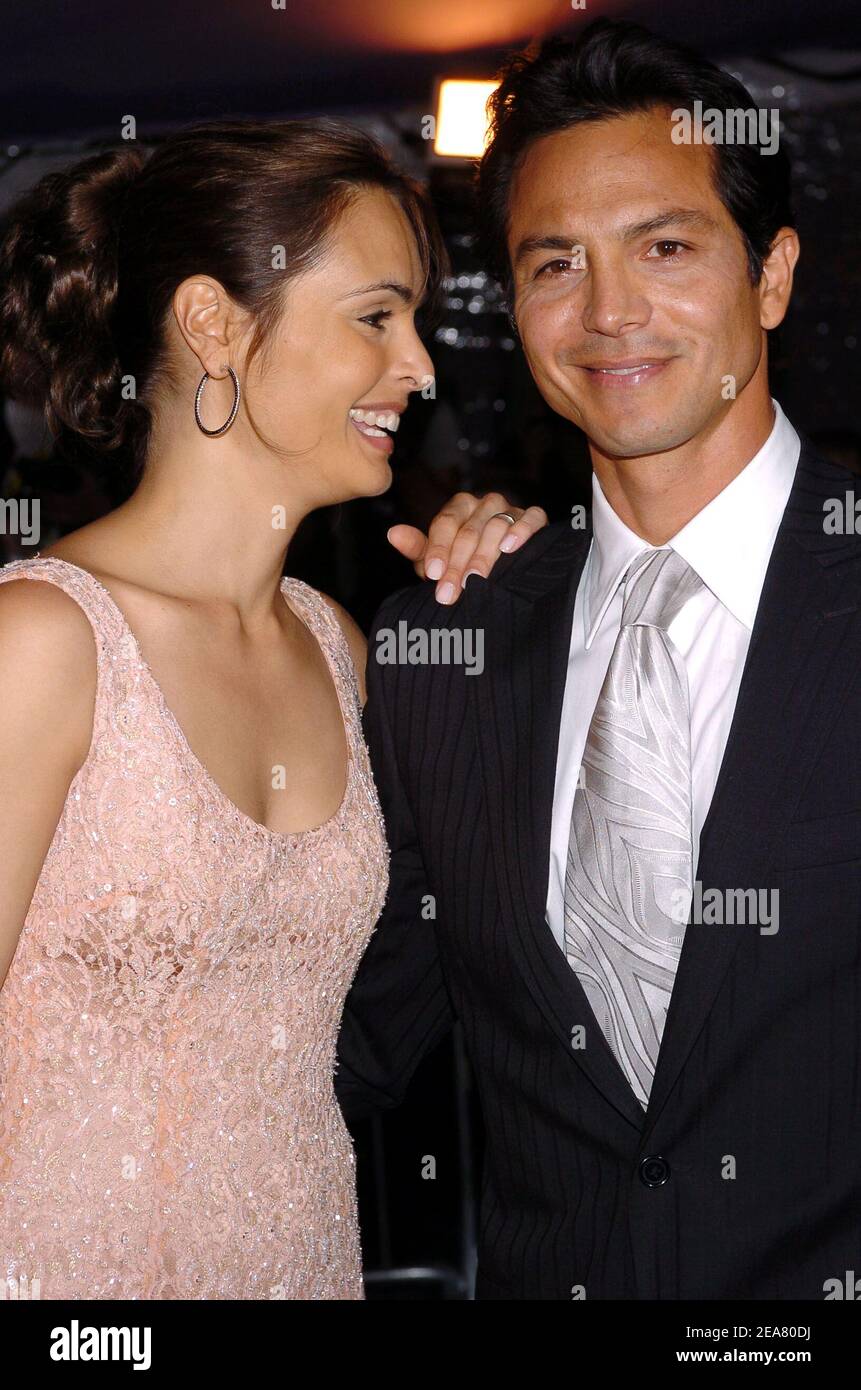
507 515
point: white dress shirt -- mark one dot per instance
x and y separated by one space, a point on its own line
729 544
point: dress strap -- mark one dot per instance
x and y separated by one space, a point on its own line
326 627
79 584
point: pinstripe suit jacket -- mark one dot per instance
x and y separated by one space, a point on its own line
743 1177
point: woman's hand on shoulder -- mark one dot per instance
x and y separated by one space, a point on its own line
47 697
465 538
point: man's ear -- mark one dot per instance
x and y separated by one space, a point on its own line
775 286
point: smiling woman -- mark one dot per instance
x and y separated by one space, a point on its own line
115 236
194 855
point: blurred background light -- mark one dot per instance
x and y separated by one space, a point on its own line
462 127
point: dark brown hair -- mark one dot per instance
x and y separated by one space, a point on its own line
93 254
612 68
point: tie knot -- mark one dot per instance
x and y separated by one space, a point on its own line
657 586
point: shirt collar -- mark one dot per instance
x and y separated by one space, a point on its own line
728 543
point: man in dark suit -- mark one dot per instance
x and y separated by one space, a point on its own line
639 818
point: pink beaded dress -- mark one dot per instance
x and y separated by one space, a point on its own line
168 1124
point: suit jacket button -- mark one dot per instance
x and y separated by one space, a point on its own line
654 1170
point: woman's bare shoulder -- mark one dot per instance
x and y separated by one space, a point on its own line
48 666
37 616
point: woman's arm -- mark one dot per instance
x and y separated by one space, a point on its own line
47 699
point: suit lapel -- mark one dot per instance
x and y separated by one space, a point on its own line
798 672
783 714
527 619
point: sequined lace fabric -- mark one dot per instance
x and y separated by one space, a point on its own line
168 1124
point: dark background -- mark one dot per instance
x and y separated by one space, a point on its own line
71 74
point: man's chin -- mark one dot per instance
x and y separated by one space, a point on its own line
636 442
631 422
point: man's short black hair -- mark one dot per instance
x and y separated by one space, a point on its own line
611 69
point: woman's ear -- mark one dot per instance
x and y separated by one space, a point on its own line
205 316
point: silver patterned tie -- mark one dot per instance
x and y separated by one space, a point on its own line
629 876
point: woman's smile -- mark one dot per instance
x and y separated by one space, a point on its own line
377 424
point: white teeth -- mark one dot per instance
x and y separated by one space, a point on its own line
384 419
622 371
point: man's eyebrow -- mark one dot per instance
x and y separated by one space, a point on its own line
543 243
402 291
674 217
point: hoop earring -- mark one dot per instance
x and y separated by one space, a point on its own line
231 417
